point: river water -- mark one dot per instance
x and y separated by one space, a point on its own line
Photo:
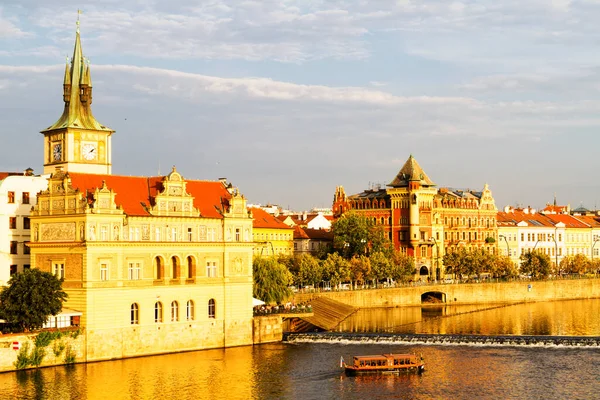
309 368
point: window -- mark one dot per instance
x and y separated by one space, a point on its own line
104 233
211 234
189 310
175 267
13 269
103 272
174 234
174 311
211 308
26 249
25 197
237 234
135 314
27 266
211 269
26 223
12 222
58 269
191 267
134 271
13 247
11 197
158 312
189 234
157 234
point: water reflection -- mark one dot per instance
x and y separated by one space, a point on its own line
564 318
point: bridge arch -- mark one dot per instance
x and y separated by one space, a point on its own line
433 297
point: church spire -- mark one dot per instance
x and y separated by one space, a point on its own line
77 93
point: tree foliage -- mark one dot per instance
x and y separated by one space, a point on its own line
536 264
30 298
271 280
577 264
356 235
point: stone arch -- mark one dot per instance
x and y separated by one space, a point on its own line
433 297
423 271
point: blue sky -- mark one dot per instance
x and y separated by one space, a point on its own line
288 99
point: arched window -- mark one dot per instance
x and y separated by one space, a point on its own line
174 311
191 267
158 312
211 308
158 266
135 314
189 310
175 267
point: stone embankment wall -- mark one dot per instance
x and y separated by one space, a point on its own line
267 329
475 293
67 349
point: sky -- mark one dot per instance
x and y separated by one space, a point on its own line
288 99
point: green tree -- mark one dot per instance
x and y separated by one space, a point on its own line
503 267
536 264
356 235
577 264
271 280
30 298
310 271
381 266
336 269
402 267
360 269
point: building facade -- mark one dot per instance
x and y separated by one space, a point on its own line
271 236
423 221
153 264
18 193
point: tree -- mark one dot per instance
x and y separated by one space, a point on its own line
356 235
402 267
504 267
271 280
310 271
30 298
577 264
336 269
536 264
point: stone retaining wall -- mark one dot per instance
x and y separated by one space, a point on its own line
475 293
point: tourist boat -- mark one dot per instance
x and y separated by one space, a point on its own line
383 364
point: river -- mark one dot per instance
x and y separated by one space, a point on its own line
309 369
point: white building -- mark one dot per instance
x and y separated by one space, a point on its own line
18 193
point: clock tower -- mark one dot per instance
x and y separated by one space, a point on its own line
77 142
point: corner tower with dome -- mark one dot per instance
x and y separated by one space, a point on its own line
151 264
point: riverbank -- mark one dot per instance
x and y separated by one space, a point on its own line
464 293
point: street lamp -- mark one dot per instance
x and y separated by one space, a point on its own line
437 258
507 246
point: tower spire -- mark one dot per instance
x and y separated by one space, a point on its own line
77 92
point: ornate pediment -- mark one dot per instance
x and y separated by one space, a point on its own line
60 198
174 200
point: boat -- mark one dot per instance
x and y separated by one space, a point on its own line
383 364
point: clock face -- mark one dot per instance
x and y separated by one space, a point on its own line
57 152
89 151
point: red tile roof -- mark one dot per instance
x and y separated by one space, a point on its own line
263 219
133 192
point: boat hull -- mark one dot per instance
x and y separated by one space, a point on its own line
416 369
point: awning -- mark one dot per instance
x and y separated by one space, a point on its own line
257 302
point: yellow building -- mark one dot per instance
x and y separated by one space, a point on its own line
154 264
271 236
